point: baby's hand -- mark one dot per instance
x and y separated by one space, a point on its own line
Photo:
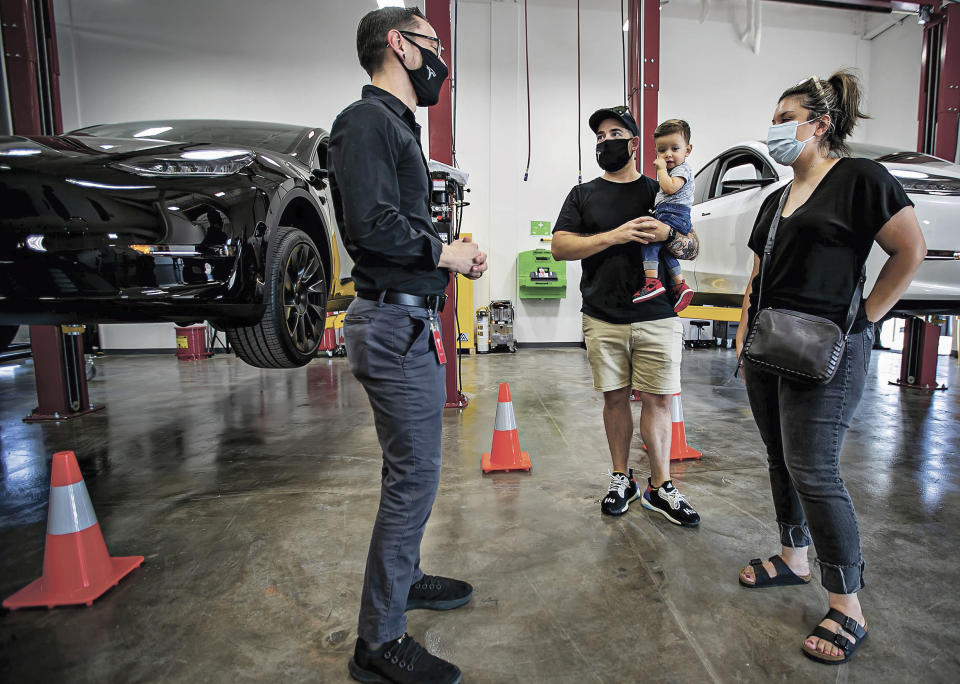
659 164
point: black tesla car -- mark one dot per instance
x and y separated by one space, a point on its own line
183 221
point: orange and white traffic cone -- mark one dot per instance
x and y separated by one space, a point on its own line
505 453
679 449
76 565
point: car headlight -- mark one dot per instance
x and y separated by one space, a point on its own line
926 183
206 162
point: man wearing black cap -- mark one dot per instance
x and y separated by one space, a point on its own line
381 190
604 223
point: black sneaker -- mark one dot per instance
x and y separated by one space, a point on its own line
399 662
668 501
438 593
623 490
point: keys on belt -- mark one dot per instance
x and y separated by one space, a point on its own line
432 303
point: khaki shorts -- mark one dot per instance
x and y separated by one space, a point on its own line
643 355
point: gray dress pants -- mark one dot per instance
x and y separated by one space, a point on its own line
390 353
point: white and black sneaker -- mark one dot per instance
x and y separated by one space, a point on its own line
668 501
623 490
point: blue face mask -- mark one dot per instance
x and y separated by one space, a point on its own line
783 144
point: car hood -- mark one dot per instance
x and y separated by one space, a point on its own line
78 146
902 160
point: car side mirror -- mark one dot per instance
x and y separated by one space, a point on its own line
318 178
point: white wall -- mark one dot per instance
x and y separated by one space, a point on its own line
295 61
727 92
893 88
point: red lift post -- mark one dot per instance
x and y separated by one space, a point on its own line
643 75
938 114
33 72
440 117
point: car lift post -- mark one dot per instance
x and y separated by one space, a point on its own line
60 371
918 364
33 70
441 150
937 134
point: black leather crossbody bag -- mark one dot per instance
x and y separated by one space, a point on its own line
793 344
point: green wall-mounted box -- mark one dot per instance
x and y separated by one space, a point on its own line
540 277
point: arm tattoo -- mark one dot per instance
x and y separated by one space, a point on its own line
685 246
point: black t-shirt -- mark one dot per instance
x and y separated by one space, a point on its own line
612 276
819 250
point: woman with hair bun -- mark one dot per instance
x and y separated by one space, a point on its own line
833 212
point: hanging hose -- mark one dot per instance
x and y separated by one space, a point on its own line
455 84
623 54
579 137
526 48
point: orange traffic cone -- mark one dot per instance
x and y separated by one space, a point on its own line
505 453
679 449
76 565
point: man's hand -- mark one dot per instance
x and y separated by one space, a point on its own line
463 256
479 264
653 230
659 163
643 230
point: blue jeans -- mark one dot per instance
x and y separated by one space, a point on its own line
389 350
803 427
677 216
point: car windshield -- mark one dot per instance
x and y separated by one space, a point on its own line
269 136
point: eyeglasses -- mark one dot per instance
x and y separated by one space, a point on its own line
439 46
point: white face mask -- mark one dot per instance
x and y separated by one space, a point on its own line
782 141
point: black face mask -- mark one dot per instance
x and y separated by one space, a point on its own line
613 155
428 79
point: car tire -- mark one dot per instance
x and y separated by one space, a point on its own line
291 329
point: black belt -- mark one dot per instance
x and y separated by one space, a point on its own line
434 302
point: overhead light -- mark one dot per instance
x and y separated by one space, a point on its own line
20 152
150 132
390 3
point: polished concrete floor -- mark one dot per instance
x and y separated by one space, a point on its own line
251 494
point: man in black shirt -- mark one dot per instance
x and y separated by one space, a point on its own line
381 191
605 223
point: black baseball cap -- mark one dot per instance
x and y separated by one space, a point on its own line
620 113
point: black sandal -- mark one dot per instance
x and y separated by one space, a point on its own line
785 576
849 625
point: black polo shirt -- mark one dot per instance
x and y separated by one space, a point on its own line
381 196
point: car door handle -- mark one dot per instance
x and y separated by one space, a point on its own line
705 213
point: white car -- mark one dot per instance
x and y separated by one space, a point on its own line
731 188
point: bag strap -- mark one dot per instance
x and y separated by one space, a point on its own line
855 302
768 256
768 248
